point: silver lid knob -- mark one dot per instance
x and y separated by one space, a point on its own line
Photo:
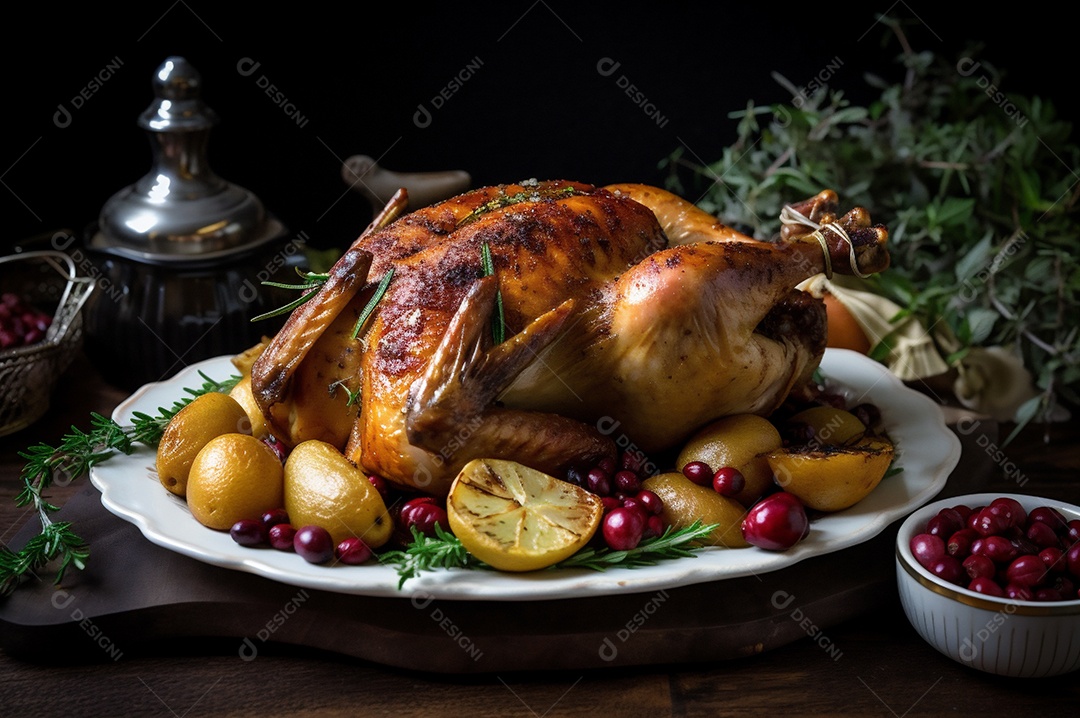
180 208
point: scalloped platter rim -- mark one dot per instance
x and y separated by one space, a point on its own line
927 449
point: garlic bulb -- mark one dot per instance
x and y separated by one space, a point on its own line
993 381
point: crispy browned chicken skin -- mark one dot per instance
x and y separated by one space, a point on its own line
623 306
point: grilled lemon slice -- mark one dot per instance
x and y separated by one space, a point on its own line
514 518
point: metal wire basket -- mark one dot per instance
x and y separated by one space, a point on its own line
28 374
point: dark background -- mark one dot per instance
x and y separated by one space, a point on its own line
536 106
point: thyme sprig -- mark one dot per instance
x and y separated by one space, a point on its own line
444 550
76 454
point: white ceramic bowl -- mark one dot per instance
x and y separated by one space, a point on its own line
996 635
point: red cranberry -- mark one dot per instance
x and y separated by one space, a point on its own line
964 511
698 472
1072 560
959 544
1011 509
1048 594
248 532
381 486
651 501
598 482
728 481
927 549
654 526
608 465
1041 534
1015 592
277 446
314 544
1053 559
1050 516
274 517
997 548
623 528
986 586
776 522
948 569
352 551
989 523
945 523
424 513
1072 531
1026 570
281 537
610 502
979 567
626 481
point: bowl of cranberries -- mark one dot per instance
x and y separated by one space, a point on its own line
40 331
993 581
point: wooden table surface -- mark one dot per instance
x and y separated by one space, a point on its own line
876 663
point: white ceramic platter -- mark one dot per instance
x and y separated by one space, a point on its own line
928 452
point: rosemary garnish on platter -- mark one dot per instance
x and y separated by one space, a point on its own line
444 550
77 453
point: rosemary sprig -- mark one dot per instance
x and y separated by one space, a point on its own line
426 553
498 321
375 299
673 543
444 550
76 454
313 281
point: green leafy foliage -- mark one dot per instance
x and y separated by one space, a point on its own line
974 180
77 453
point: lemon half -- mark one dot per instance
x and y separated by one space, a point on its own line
514 518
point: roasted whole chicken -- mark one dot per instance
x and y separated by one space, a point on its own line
628 314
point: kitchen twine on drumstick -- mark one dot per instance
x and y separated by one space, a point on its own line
791 216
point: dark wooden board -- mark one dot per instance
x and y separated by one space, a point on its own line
134 592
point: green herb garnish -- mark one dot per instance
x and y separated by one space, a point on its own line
444 550
498 321
977 188
507 200
77 453
313 281
370 306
